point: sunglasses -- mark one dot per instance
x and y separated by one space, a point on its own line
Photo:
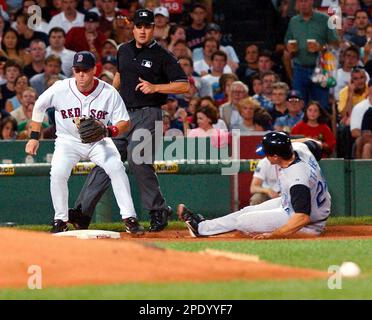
146 25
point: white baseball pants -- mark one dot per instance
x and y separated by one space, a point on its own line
104 154
264 217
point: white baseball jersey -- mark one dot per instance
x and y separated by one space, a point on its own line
268 173
306 171
104 104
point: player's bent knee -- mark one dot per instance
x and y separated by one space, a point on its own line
113 167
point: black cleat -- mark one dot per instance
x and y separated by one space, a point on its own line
159 219
59 226
191 219
78 219
132 226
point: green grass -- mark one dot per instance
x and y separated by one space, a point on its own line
351 289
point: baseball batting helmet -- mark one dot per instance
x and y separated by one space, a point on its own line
276 143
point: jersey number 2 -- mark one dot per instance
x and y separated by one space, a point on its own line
320 199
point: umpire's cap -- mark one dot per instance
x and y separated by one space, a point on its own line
143 16
84 60
276 143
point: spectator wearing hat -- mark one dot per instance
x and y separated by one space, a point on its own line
195 33
161 18
57 40
68 18
110 48
86 38
214 31
295 104
109 63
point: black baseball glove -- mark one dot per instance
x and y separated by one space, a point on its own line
91 130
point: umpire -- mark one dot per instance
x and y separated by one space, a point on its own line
146 74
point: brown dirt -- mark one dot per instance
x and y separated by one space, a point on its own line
68 261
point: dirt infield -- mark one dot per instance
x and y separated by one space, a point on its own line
68 262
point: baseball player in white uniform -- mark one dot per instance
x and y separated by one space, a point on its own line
84 102
264 185
304 204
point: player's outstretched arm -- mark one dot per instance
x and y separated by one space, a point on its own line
294 224
33 144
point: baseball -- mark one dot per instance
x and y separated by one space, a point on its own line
349 269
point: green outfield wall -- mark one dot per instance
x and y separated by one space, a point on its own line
25 195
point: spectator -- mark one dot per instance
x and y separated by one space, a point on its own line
42 25
11 70
28 97
38 54
229 111
204 66
265 62
209 102
161 18
352 94
110 48
107 17
295 104
249 67
176 32
167 130
206 117
180 49
350 60
225 83
10 48
27 35
8 129
279 98
52 67
364 151
358 113
86 38
350 7
357 34
109 63
171 107
191 111
214 31
268 79
69 17
247 108
262 120
107 76
210 82
257 84
264 185
122 30
57 39
308 25
20 84
366 51
186 64
314 125
195 33
2 73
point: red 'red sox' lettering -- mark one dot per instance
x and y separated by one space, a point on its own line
76 112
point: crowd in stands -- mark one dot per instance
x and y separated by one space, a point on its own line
255 90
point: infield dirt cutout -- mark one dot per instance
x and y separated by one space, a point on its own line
70 262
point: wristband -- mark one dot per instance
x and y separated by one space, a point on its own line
112 131
35 135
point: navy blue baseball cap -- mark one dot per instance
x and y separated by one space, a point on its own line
109 59
294 94
84 60
143 16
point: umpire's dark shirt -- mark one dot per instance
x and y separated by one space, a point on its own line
151 63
